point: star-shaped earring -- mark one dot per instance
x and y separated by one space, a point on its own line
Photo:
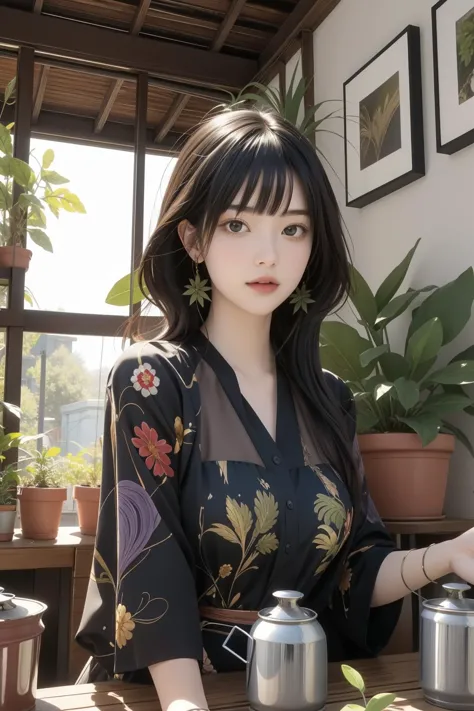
197 289
301 298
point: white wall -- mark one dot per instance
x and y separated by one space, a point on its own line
439 208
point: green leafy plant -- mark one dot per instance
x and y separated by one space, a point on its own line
44 471
379 702
416 389
24 211
9 474
83 468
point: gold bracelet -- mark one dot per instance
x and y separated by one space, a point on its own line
402 570
423 564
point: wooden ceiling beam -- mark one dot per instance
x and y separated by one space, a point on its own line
168 122
159 58
43 80
306 15
114 88
227 24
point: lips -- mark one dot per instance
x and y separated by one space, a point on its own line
264 285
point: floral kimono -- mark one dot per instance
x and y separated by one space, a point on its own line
201 507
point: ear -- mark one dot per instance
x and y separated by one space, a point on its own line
187 235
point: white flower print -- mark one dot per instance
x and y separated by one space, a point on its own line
145 380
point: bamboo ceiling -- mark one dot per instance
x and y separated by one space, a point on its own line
193 51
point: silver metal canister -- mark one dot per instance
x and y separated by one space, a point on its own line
447 649
286 658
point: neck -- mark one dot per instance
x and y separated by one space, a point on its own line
243 339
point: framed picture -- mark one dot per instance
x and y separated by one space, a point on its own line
453 47
383 122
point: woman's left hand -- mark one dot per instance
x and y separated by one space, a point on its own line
461 554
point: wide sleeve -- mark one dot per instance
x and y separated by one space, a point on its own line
141 606
369 629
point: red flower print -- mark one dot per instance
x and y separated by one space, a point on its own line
153 449
145 380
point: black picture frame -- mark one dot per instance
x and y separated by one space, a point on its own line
416 150
467 138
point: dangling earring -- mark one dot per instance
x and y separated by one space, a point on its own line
197 288
301 298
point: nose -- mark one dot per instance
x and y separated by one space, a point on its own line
267 254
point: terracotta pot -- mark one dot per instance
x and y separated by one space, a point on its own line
406 480
7 521
40 512
15 257
87 498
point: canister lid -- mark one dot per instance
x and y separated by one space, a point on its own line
16 608
287 610
455 602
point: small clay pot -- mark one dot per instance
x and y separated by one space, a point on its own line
87 499
15 257
40 512
7 522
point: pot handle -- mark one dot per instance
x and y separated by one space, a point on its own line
231 650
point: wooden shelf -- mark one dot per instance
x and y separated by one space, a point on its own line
442 527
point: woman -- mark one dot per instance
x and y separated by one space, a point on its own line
230 462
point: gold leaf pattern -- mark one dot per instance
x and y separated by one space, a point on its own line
330 510
266 512
248 562
224 532
124 626
223 471
327 538
225 570
235 599
267 543
180 433
240 517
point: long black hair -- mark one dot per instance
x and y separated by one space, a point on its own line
258 151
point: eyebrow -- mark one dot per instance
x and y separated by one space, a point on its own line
238 209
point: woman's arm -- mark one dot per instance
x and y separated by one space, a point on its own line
389 585
178 684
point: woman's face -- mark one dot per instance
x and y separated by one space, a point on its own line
256 261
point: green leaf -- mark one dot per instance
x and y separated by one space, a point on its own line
28 200
48 157
451 303
423 369
67 200
398 305
341 348
457 373
52 452
459 434
6 145
425 425
21 172
28 298
50 176
5 197
9 90
425 343
394 366
393 282
353 707
467 354
119 295
444 403
379 702
5 166
362 297
373 354
382 389
408 393
353 677
366 417
40 238
14 409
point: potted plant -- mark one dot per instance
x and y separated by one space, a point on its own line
84 471
9 480
41 496
38 191
404 398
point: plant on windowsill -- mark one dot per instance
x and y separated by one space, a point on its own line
403 399
41 496
38 191
84 471
9 480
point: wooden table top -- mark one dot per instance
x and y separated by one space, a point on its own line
226 692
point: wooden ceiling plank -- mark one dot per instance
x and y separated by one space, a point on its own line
173 113
107 105
43 80
109 99
298 19
159 58
227 24
140 16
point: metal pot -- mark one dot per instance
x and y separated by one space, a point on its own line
21 627
286 658
447 648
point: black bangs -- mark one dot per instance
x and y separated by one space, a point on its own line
262 169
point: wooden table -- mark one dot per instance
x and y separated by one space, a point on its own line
226 692
57 573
